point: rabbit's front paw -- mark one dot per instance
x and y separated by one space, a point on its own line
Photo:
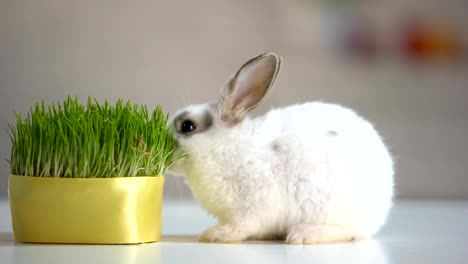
316 234
222 234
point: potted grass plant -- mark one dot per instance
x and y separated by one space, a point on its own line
89 173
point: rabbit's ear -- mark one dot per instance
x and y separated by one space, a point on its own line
247 88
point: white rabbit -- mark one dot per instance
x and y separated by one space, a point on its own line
309 173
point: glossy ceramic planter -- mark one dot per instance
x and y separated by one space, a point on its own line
124 210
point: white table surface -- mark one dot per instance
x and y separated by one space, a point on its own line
417 232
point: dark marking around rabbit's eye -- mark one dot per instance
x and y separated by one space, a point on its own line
332 133
181 117
189 124
207 120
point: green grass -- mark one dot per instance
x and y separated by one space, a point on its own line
96 140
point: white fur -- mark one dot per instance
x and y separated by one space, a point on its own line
309 173
312 178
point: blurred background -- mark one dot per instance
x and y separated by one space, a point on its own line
402 64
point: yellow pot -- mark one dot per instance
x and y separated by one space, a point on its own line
124 210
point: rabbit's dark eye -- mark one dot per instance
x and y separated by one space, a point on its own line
188 126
